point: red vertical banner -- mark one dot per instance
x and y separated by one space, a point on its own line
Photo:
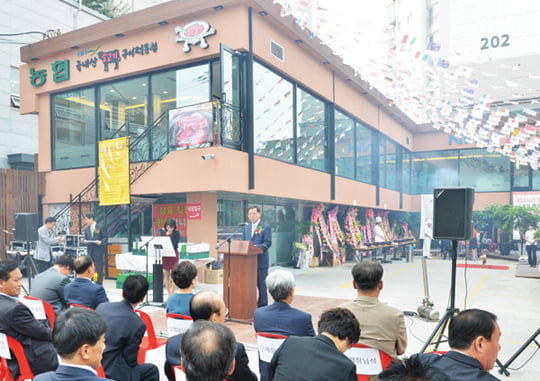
162 212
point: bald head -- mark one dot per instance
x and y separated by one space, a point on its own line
207 305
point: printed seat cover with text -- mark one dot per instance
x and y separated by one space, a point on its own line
178 323
40 309
369 361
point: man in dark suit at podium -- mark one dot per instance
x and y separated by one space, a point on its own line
96 243
261 235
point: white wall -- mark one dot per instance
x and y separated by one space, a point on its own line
18 133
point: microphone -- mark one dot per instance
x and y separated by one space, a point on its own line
242 224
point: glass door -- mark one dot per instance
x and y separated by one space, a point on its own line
230 109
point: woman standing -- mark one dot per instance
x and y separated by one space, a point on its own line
169 229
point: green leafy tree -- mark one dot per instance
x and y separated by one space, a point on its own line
109 8
506 218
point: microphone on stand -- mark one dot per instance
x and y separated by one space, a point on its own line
230 236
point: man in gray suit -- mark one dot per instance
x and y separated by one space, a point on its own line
46 239
49 285
383 327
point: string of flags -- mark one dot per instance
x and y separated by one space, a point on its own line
451 97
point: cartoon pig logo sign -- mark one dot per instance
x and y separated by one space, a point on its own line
194 33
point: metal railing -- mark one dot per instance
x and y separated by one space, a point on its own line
145 150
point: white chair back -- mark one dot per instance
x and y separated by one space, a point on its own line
36 307
4 347
267 347
177 326
367 360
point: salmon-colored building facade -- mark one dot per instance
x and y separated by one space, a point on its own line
227 104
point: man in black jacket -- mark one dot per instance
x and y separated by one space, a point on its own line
126 330
319 358
207 305
473 336
17 321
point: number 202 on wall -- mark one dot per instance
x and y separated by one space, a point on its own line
495 42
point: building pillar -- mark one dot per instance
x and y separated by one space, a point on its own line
204 229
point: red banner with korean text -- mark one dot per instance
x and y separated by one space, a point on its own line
179 212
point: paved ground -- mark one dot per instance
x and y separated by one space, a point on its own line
515 300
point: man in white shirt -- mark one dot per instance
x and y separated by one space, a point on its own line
379 236
530 245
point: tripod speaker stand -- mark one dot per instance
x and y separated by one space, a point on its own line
503 367
439 333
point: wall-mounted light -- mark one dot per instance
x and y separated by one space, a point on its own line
263 13
163 23
208 156
119 35
298 41
218 7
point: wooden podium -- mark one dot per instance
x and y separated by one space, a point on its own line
240 278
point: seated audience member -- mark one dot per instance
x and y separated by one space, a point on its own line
473 336
126 331
17 321
208 351
79 339
412 369
49 285
83 290
321 357
279 317
383 327
184 276
207 305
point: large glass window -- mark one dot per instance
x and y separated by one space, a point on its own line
344 145
521 177
364 160
311 135
388 164
178 88
74 129
434 170
536 179
273 114
484 171
406 177
174 89
123 108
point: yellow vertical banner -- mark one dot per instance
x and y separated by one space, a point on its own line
114 171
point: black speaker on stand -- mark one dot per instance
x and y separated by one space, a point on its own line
26 225
452 213
452 219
